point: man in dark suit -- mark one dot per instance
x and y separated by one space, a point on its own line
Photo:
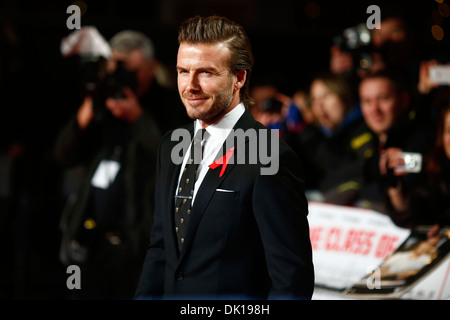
244 233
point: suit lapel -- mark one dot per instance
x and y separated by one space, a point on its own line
211 182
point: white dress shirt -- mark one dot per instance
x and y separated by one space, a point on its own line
213 141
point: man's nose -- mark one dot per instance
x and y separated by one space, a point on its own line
375 109
193 83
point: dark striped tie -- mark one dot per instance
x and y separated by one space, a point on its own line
186 188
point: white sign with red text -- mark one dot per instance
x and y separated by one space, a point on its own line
349 242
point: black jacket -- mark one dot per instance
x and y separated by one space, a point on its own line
250 242
333 163
138 145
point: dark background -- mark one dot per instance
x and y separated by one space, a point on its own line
289 38
39 90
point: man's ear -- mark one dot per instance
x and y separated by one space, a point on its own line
240 78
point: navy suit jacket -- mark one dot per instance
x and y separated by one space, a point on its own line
251 243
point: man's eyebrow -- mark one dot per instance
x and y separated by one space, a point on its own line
200 69
207 69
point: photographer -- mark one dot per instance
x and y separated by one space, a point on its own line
359 51
428 202
354 55
270 106
113 138
278 111
391 114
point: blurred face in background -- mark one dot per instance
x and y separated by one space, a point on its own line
381 105
327 107
446 134
391 30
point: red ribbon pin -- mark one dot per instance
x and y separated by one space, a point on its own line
222 161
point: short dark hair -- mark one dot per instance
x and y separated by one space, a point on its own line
215 29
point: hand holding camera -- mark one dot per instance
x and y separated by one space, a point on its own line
399 163
432 75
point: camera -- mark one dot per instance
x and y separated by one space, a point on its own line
98 82
440 74
357 41
91 69
413 162
114 83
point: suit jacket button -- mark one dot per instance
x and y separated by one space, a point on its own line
180 276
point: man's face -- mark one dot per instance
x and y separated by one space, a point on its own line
381 105
327 107
205 83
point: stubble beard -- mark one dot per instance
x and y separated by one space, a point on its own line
220 104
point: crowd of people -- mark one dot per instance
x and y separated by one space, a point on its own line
354 127
351 127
